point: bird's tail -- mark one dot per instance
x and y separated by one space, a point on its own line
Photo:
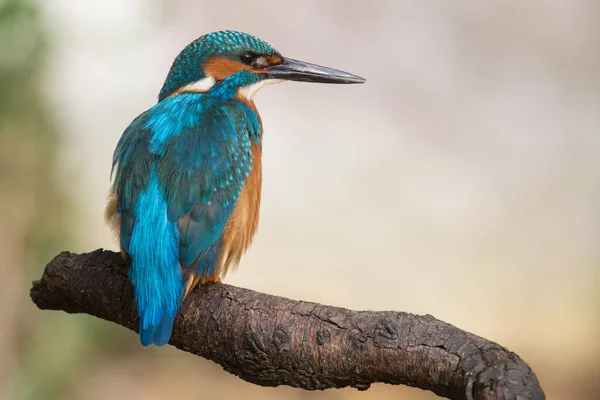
155 272
158 334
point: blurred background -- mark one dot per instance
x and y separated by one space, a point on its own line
463 180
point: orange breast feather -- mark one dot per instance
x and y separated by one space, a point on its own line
243 223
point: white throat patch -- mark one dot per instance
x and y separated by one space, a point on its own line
249 91
203 85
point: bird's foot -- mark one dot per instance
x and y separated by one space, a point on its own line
210 279
194 279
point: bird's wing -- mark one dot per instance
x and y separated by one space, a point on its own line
201 153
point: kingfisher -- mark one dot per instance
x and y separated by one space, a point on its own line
186 175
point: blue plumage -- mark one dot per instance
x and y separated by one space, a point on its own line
179 169
153 272
186 194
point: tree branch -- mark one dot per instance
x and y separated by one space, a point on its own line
271 341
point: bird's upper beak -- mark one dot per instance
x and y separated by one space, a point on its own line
294 70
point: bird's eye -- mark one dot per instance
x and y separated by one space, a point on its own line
247 58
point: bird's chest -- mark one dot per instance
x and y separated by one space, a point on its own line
243 223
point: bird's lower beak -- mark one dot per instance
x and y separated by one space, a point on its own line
294 70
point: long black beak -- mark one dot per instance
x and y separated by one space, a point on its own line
294 70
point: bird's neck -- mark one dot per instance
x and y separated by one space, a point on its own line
241 87
235 85
252 106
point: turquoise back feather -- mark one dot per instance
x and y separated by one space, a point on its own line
179 169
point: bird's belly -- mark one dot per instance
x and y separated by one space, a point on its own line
243 223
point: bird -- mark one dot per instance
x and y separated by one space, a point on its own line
186 173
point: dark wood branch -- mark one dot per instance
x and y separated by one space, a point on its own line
273 341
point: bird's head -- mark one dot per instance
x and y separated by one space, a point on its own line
229 63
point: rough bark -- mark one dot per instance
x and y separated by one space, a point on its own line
271 341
